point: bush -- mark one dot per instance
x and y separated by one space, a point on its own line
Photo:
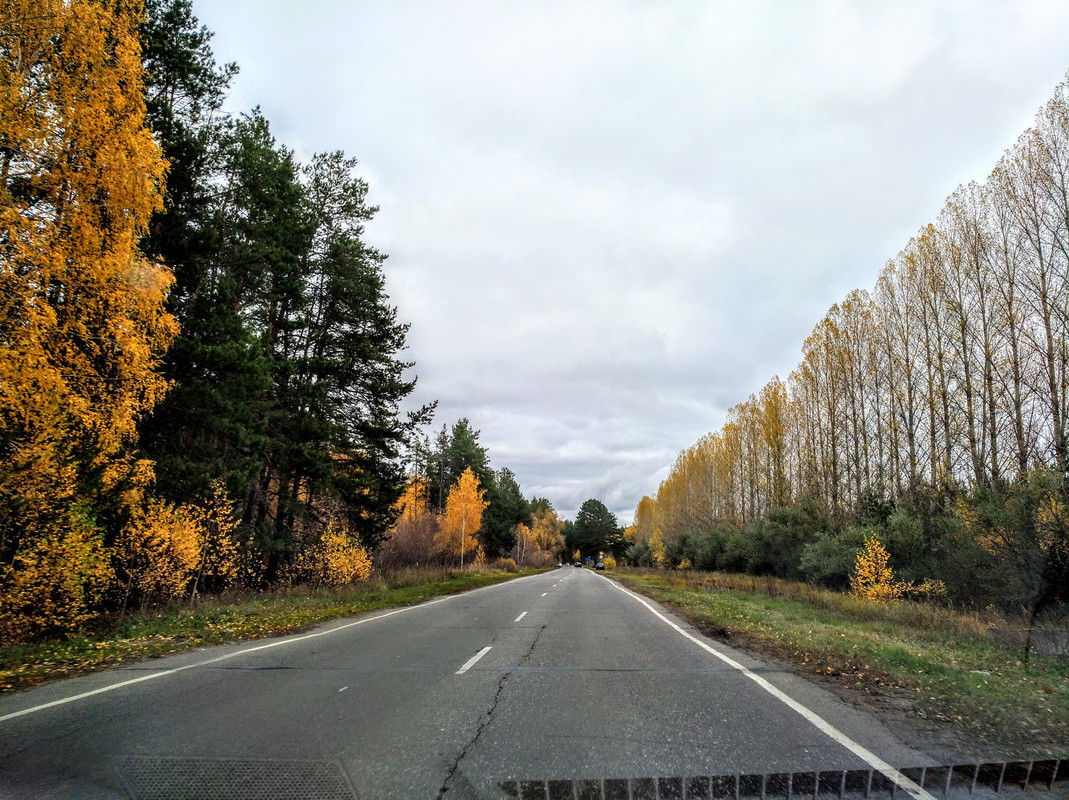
872 578
55 585
336 559
506 564
829 560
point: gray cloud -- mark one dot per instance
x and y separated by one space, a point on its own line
610 221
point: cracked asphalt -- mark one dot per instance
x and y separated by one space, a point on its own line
581 682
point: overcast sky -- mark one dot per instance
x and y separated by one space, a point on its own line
608 222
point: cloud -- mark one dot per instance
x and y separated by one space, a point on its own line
608 222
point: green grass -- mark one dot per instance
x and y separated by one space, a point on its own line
940 664
215 620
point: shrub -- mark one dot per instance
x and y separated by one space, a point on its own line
336 559
873 579
54 585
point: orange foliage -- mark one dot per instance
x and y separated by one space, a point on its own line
337 559
168 550
873 578
54 584
412 538
463 516
82 319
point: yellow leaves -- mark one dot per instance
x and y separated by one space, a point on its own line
547 531
873 579
82 318
336 560
463 515
657 546
167 550
412 505
53 584
159 552
412 538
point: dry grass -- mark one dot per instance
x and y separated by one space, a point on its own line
942 665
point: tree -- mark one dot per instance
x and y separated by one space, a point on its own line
547 530
412 538
872 578
595 529
463 514
211 425
83 323
445 459
506 508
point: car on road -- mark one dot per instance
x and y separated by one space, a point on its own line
600 565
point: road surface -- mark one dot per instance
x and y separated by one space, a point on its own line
562 678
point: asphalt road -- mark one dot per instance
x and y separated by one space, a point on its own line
560 677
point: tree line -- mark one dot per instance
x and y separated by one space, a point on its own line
932 410
456 507
200 368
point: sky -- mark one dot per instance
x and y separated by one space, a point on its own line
609 222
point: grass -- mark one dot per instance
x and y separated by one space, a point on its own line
940 665
214 620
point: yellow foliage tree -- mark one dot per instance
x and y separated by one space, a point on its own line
337 559
463 515
547 532
167 550
873 578
412 537
55 581
525 545
82 319
657 546
158 553
218 562
412 504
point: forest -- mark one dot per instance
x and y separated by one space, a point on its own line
201 372
929 413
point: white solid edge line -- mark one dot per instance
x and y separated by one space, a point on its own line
816 720
521 616
471 661
265 646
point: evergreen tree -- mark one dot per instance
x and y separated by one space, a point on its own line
595 530
207 428
506 509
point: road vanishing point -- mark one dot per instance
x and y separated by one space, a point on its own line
558 684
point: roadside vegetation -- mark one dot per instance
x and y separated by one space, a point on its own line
201 372
950 671
190 624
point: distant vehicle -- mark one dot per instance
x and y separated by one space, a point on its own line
577 564
600 565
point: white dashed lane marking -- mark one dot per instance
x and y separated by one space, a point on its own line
471 661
